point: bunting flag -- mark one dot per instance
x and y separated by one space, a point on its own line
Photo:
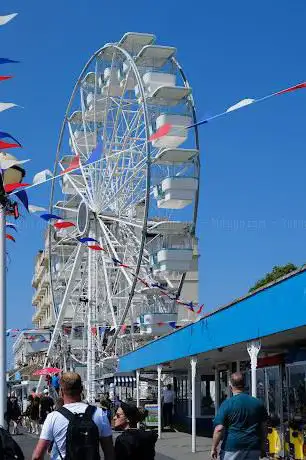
42 176
33 208
23 197
6 106
87 239
5 19
5 77
93 330
60 225
96 247
166 128
48 217
199 311
7 61
10 237
162 131
8 145
75 164
8 188
10 225
172 324
4 135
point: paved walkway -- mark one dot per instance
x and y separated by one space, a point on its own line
172 446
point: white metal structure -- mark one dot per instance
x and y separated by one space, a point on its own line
138 200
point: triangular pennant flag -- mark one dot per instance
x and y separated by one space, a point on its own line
8 145
6 106
75 164
33 208
160 323
11 187
172 324
162 131
10 237
23 197
4 135
5 19
5 77
200 309
7 61
48 217
10 225
96 247
95 154
60 225
87 239
292 88
42 176
93 330
240 104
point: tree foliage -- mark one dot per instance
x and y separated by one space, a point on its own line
277 272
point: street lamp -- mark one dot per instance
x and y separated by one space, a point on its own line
11 175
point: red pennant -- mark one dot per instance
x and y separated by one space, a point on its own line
96 247
162 131
292 88
93 330
8 145
75 164
200 309
5 77
60 225
11 187
160 323
10 237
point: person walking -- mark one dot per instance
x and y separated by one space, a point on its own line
15 415
241 423
76 428
34 415
55 382
168 405
133 443
46 406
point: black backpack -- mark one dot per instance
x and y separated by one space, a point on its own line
9 449
82 438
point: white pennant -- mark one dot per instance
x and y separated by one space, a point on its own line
33 208
5 19
42 176
6 106
240 104
8 163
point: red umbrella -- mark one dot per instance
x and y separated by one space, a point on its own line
47 370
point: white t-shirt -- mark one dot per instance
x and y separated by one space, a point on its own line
55 427
168 396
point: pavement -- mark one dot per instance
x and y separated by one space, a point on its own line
172 446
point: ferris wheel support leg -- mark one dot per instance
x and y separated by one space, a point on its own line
57 329
3 385
91 368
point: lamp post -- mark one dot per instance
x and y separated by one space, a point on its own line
11 175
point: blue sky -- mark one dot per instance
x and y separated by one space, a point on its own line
253 188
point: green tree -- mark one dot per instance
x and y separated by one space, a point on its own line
277 272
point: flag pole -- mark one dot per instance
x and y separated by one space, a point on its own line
3 384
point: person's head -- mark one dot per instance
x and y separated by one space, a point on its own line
169 387
46 392
71 387
237 382
34 389
128 415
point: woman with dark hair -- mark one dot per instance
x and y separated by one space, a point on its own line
133 443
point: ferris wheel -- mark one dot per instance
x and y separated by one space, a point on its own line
133 201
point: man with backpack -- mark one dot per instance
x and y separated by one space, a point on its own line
76 429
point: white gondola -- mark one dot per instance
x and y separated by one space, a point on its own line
132 41
178 133
154 56
96 106
175 156
175 192
152 323
168 95
83 142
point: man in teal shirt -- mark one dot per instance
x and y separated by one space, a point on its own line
241 425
